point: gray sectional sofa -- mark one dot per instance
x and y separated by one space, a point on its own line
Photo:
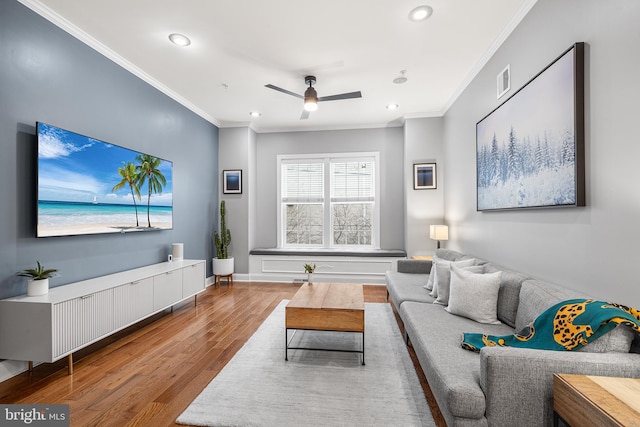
498 386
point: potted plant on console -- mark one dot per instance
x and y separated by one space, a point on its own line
222 264
38 283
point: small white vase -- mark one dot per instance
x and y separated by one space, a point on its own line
310 278
37 287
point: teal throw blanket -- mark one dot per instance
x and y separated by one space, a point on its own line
568 325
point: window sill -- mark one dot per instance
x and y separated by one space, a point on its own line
399 253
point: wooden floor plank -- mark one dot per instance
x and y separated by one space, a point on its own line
149 373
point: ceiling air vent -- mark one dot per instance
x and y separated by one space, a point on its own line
504 81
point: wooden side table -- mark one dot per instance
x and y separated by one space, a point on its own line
423 257
585 400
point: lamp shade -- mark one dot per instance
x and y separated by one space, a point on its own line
439 232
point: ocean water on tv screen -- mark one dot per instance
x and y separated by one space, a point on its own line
72 213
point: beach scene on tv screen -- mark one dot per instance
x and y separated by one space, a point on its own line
87 186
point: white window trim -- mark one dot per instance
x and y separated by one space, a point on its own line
375 231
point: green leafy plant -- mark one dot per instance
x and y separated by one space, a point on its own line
222 239
38 273
309 268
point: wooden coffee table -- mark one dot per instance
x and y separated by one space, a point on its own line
337 307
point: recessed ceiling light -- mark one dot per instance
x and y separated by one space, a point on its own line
420 13
255 114
392 107
179 39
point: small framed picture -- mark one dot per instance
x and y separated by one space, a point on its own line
232 181
424 176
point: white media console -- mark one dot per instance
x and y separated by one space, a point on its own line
49 327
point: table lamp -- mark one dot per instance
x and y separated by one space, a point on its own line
439 232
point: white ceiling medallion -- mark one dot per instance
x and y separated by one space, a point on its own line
503 81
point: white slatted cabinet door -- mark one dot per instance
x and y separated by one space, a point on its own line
82 320
167 289
193 277
132 302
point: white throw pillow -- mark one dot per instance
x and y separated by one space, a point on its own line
474 295
443 276
434 285
432 274
445 286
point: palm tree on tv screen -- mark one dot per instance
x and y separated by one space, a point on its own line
129 176
148 171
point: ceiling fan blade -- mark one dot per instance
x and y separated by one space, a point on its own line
341 96
279 89
304 115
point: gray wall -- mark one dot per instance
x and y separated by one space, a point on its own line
591 249
236 147
387 141
47 75
423 144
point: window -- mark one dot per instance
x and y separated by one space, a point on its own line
328 201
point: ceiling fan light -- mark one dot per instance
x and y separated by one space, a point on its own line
310 104
310 99
420 13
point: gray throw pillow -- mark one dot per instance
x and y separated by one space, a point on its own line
474 295
443 278
617 340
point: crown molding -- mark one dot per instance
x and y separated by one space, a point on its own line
504 34
51 16
392 124
423 115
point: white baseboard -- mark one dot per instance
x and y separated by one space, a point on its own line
11 368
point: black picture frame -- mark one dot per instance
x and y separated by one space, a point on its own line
232 181
425 176
530 149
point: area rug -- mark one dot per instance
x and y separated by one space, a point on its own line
316 388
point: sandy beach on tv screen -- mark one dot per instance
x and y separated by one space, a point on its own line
71 230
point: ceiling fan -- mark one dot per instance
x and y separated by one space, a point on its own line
311 98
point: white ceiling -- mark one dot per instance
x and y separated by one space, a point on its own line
349 45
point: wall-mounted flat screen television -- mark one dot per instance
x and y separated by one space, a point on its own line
87 186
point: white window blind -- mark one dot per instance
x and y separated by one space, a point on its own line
352 180
302 182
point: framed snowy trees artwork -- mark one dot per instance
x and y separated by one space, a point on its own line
530 149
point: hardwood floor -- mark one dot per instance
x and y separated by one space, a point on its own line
148 374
